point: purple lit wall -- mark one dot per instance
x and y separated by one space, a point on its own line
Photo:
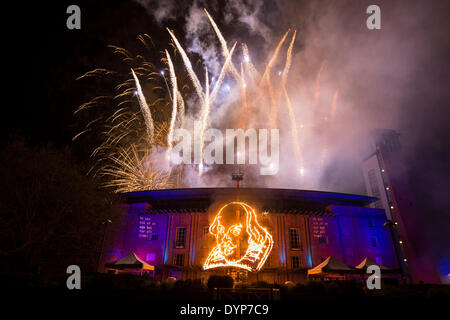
350 233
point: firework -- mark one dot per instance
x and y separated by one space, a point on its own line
317 88
128 157
173 80
133 169
333 104
133 140
145 109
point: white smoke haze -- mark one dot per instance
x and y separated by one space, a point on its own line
162 11
369 71
198 27
248 13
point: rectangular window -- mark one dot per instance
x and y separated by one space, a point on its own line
268 261
180 237
295 262
294 239
371 222
374 187
150 257
323 240
374 241
178 259
154 236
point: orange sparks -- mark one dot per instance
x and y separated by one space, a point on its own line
228 236
317 89
333 104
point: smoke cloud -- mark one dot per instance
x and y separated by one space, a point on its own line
365 82
345 81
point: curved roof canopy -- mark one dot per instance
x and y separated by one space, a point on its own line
331 265
267 196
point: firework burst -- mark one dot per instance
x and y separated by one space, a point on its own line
137 135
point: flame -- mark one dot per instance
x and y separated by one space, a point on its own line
260 242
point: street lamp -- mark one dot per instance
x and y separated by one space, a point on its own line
105 222
390 224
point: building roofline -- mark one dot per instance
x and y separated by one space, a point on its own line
267 194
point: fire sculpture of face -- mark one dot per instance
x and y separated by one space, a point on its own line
240 240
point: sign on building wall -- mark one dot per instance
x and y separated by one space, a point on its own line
145 227
319 227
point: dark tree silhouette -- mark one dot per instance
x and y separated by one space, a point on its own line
50 212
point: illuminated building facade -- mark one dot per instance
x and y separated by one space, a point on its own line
170 229
386 178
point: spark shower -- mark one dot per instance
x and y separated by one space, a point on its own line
137 148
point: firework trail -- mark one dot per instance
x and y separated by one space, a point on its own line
173 80
226 65
181 111
291 113
288 63
206 99
145 110
333 105
244 110
317 88
267 79
324 151
204 121
274 57
266 76
223 43
188 65
249 67
210 99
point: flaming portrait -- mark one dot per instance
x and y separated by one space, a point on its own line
240 240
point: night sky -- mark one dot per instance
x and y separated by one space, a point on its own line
45 58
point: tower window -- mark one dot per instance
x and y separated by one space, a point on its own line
295 262
374 187
294 239
374 241
178 259
268 261
154 236
323 239
180 237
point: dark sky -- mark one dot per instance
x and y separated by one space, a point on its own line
44 58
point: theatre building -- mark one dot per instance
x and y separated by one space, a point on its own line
280 235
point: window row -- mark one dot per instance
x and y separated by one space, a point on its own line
294 238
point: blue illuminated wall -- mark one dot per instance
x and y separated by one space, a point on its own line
348 233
